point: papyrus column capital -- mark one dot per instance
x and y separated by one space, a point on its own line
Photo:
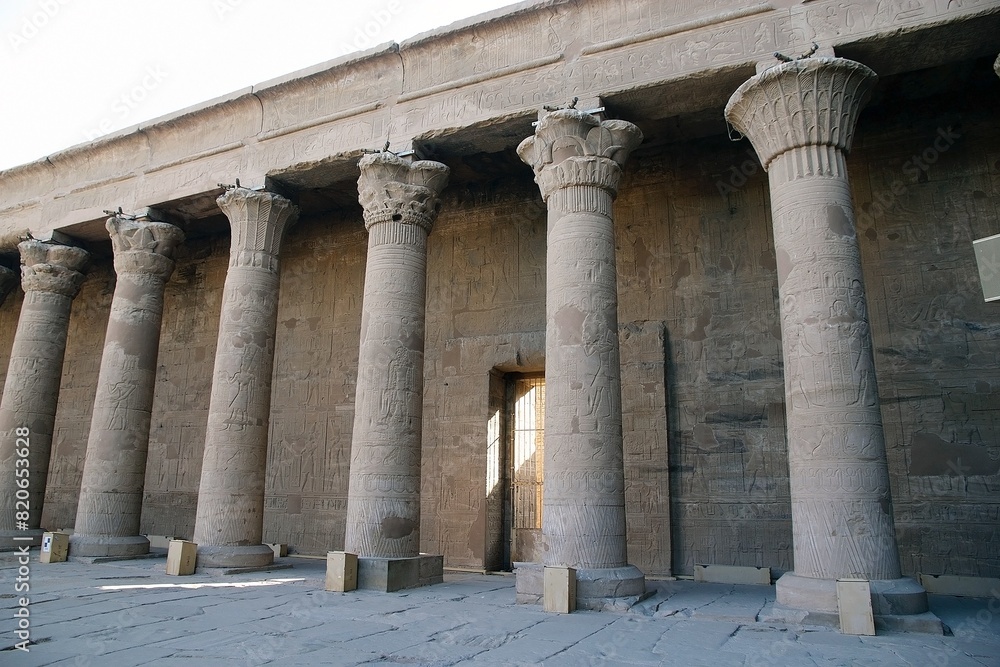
808 102
143 246
572 148
47 267
392 189
258 218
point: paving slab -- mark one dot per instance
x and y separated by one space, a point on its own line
132 613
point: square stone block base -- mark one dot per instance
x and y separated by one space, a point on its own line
181 557
559 589
395 574
597 589
341 571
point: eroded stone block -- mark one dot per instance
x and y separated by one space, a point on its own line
341 571
181 557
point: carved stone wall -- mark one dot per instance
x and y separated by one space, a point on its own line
315 370
704 264
922 196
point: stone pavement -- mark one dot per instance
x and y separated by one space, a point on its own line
131 613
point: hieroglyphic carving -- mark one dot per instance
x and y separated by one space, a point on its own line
51 276
229 521
577 161
108 514
401 201
800 117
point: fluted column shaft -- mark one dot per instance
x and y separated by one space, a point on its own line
577 162
400 201
51 276
229 521
114 470
801 117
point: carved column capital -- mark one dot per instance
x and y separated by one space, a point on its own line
258 219
393 189
573 148
144 246
47 267
808 102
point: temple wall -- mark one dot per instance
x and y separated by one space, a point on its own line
706 465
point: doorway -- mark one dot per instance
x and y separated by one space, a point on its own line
515 469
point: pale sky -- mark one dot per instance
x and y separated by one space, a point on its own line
73 70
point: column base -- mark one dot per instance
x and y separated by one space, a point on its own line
225 556
99 546
597 589
897 604
395 574
12 540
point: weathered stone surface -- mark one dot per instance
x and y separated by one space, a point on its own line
801 117
401 201
229 523
51 276
395 574
706 477
577 160
110 506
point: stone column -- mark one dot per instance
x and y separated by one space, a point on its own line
114 471
51 276
230 520
800 117
400 200
577 160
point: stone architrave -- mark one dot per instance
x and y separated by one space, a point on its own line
114 470
800 117
401 202
51 276
229 522
577 160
